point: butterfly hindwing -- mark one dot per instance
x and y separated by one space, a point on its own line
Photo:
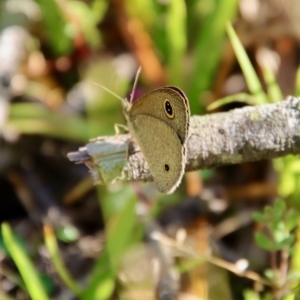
162 149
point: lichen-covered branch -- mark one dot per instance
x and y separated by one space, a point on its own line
241 135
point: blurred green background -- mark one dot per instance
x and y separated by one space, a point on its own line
99 241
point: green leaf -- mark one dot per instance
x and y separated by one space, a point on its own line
258 217
24 265
264 242
279 206
279 231
67 233
278 212
292 218
268 215
285 243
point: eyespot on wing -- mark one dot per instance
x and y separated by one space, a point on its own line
168 104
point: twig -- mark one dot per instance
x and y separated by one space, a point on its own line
246 134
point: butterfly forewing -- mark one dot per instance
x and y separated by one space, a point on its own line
168 105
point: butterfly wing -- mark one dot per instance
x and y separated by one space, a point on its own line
168 104
162 149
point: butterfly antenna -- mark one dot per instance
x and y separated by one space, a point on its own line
135 83
108 90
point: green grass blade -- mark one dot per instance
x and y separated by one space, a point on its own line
31 118
209 49
250 75
52 247
90 15
273 89
176 35
121 220
24 265
102 282
241 98
56 26
119 231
